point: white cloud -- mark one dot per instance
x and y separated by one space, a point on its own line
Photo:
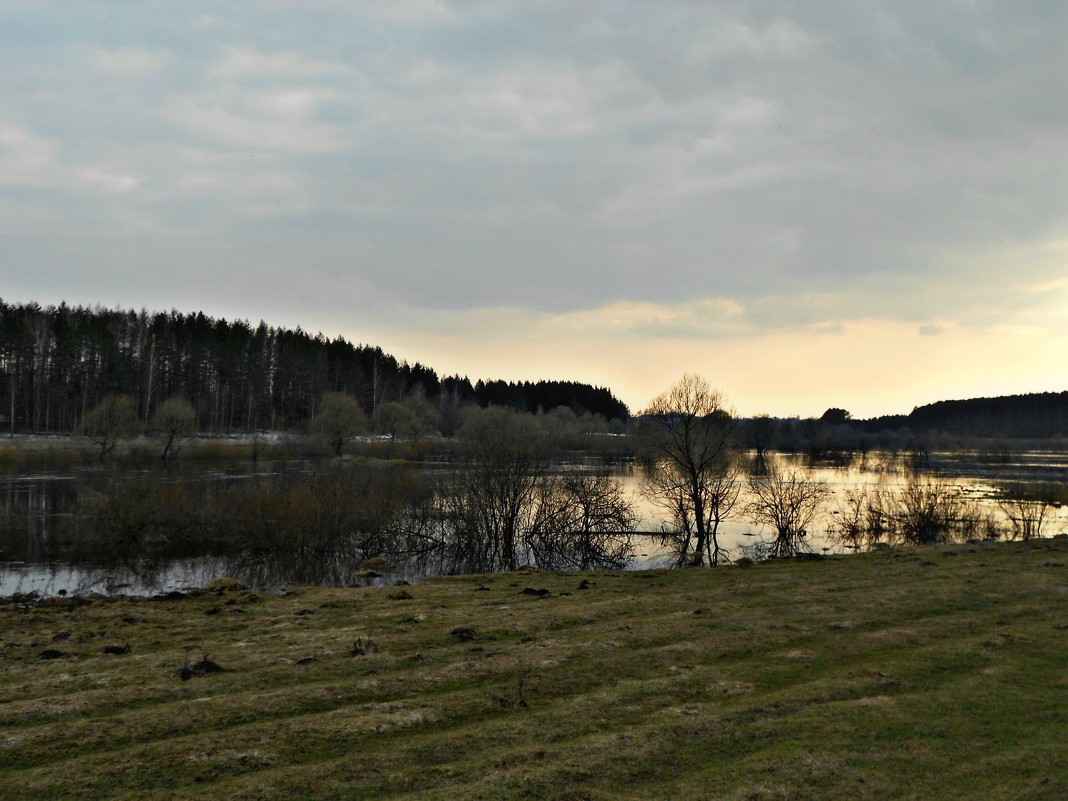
542 106
706 318
28 160
257 100
25 159
106 180
206 22
128 62
253 64
254 122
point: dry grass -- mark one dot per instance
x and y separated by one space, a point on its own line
935 673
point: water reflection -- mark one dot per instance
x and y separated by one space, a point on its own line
55 578
976 478
36 507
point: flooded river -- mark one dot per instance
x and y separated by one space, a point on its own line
35 506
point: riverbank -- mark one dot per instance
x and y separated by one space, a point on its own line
918 673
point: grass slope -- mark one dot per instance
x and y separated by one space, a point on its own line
911 674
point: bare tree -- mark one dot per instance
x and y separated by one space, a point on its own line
692 475
673 493
582 521
340 420
787 501
503 506
489 500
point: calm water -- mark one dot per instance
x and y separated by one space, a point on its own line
34 505
977 477
34 508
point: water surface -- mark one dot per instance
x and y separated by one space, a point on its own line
33 507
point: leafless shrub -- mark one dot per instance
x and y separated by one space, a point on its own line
1026 508
136 523
928 511
503 506
314 528
924 511
582 521
787 501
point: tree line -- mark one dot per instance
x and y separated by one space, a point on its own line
505 500
1039 415
58 363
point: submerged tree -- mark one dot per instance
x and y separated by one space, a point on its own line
488 502
315 528
1027 508
861 521
692 475
582 521
928 511
787 501
503 506
762 431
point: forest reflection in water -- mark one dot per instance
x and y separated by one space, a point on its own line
43 547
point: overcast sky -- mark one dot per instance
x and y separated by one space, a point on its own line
828 203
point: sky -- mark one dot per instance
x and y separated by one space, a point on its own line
831 203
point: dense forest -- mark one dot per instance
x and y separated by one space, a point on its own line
58 362
1037 415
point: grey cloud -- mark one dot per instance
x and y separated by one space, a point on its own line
554 155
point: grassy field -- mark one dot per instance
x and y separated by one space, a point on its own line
910 674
